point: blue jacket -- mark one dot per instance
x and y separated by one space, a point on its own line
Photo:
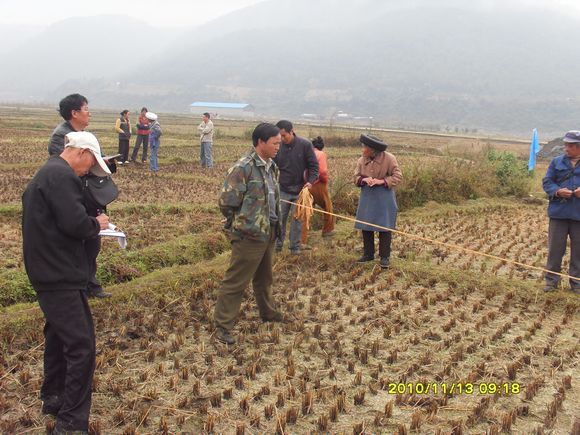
155 133
561 174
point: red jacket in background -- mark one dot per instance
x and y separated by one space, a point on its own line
143 122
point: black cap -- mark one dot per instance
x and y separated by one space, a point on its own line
373 142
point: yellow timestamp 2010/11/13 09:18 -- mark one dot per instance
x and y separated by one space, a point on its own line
454 388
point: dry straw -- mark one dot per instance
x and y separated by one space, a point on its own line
304 207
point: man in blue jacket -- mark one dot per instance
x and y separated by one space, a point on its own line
562 184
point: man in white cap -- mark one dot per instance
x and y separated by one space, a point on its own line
562 184
55 225
155 133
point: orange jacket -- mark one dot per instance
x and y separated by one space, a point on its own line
322 166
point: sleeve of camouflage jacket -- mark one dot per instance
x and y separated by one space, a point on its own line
233 191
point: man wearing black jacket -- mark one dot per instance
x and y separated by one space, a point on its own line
75 111
298 169
55 225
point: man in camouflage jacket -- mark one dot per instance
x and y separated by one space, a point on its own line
250 201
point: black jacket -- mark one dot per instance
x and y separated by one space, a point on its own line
56 143
293 160
124 125
55 224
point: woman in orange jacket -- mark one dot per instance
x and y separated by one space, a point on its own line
319 191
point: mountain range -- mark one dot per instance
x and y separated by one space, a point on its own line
507 68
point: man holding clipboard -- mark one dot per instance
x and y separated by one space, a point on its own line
75 111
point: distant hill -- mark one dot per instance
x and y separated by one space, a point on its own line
458 64
81 49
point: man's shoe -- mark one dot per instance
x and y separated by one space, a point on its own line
305 247
224 336
295 251
550 288
276 317
51 405
329 234
103 295
99 294
278 248
575 290
365 259
385 263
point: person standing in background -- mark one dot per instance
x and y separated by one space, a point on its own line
123 127
74 109
319 192
155 133
206 137
142 137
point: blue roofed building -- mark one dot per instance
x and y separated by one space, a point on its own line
223 110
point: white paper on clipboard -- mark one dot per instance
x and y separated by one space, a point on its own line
112 231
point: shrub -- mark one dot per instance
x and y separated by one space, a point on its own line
445 180
512 174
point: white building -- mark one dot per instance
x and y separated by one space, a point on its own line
222 110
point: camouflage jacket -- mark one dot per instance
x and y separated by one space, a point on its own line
244 199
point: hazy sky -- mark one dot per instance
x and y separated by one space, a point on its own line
165 13
177 13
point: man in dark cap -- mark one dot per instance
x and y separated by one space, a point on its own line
377 173
562 184
298 169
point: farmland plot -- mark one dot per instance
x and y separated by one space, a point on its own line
510 230
363 350
442 342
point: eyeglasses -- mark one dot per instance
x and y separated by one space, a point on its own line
82 109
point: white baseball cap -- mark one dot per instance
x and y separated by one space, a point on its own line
86 140
151 116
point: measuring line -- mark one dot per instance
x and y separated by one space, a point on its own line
437 242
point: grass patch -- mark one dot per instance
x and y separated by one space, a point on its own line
122 266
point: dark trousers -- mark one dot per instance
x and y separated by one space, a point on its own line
558 232
124 149
384 244
92 248
141 139
69 355
251 261
287 212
